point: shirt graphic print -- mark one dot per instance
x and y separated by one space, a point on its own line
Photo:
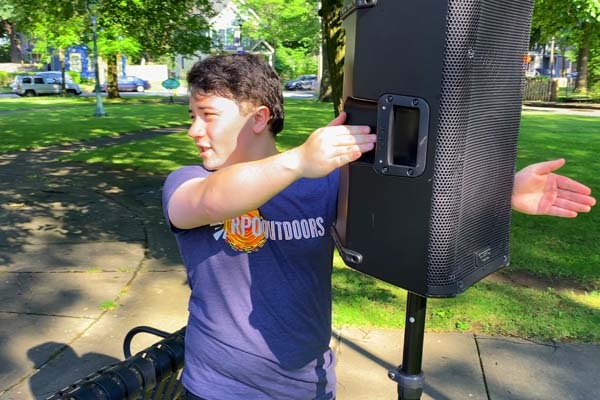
250 231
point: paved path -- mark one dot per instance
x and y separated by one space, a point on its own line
587 112
78 240
75 241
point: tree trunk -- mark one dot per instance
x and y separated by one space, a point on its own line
112 88
15 41
325 88
334 49
581 83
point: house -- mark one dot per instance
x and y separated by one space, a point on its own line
548 60
226 37
77 58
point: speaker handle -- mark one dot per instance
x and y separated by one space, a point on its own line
351 5
402 135
350 257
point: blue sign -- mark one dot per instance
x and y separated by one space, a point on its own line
170 84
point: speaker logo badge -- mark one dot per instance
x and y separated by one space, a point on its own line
483 256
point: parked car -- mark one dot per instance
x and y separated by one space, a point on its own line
36 85
130 84
303 82
15 82
56 75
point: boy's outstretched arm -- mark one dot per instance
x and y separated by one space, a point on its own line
239 188
539 191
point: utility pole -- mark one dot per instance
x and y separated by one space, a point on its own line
92 7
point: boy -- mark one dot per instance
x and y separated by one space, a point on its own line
252 227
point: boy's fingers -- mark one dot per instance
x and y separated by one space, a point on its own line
347 140
353 149
576 197
339 120
341 130
569 184
572 205
561 212
548 166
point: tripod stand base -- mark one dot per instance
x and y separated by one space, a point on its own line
410 387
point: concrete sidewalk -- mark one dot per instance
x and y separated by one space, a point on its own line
85 256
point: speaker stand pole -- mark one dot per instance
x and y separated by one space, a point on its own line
408 375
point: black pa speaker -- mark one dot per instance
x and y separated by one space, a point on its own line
440 82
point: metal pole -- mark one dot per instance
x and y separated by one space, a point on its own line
99 106
552 58
409 376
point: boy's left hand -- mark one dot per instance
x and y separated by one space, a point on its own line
539 191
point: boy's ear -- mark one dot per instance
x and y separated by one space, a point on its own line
262 116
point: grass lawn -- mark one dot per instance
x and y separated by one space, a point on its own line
487 307
37 122
36 103
542 246
58 102
547 246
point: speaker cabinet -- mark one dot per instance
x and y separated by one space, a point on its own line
441 83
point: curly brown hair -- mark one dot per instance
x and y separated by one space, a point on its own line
241 78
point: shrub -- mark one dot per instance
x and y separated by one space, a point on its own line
595 89
75 76
5 79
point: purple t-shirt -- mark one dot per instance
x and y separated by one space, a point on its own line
260 307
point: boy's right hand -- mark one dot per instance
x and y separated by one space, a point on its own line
333 146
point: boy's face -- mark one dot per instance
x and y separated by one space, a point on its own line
220 130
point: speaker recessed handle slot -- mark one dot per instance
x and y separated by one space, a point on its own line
402 135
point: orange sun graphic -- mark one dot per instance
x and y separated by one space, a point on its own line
245 233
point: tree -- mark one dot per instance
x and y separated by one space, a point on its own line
334 49
55 28
8 28
290 26
575 21
152 28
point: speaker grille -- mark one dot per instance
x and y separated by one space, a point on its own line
480 109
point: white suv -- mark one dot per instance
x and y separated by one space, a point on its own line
35 85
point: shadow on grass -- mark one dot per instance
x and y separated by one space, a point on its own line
350 286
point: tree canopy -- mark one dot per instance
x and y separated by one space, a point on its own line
291 27
8 22
576 23
136 28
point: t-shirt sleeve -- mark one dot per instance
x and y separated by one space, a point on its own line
176 179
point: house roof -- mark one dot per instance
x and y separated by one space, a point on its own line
219 5
262 46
